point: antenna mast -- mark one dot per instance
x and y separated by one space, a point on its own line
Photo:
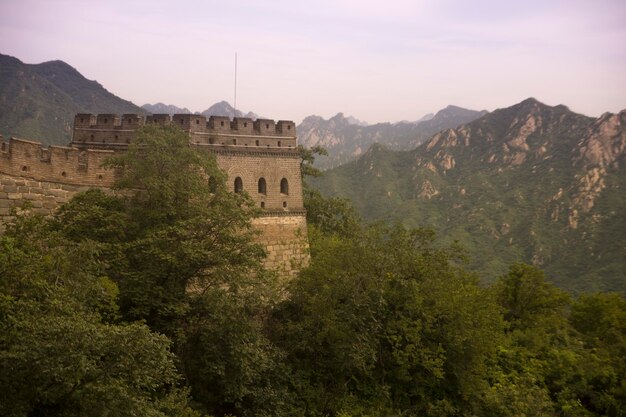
235 101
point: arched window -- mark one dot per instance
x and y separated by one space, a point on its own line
284 186
262 186
238 185
212 185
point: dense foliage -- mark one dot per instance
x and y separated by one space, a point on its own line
153 301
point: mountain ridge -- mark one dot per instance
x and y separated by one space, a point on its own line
529 183
345 140
39 101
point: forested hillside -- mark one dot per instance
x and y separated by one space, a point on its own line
39 101
530 182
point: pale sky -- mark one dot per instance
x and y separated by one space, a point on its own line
375 60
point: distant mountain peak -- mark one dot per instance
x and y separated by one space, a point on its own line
224 108
346 138
162 108
531 105
426 117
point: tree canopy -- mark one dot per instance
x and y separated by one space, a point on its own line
151 299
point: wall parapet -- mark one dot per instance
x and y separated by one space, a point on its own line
242 150
117 131
61 164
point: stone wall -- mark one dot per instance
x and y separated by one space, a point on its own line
252 166
285 239
44 178
60 164
41 197
110 131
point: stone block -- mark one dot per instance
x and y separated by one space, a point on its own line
15 196
32 197
50 205
71 188
58 193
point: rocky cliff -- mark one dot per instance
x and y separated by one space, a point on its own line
527 183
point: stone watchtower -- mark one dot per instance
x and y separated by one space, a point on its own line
259 157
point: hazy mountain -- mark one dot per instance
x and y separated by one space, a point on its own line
529 183
223 108
39 101
426 117
161 108
354 121
345 140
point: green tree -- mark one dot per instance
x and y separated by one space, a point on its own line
181 248
61 352
386 323
307 160
601 321
557 351
329 215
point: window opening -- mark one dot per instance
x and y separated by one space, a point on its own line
262 186
238 185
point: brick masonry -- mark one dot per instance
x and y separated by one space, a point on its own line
259 158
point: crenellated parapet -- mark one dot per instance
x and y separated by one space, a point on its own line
110 131
27 159
259 157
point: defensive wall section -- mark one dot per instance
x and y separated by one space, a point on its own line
259 157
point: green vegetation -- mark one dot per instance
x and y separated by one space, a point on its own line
153 301
38 102
534 210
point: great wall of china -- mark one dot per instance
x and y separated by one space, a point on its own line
259 157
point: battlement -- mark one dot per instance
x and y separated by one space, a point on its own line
258 157
110 131
24 158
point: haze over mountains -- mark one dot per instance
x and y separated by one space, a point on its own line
222 108
39 101
345 140
530 182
